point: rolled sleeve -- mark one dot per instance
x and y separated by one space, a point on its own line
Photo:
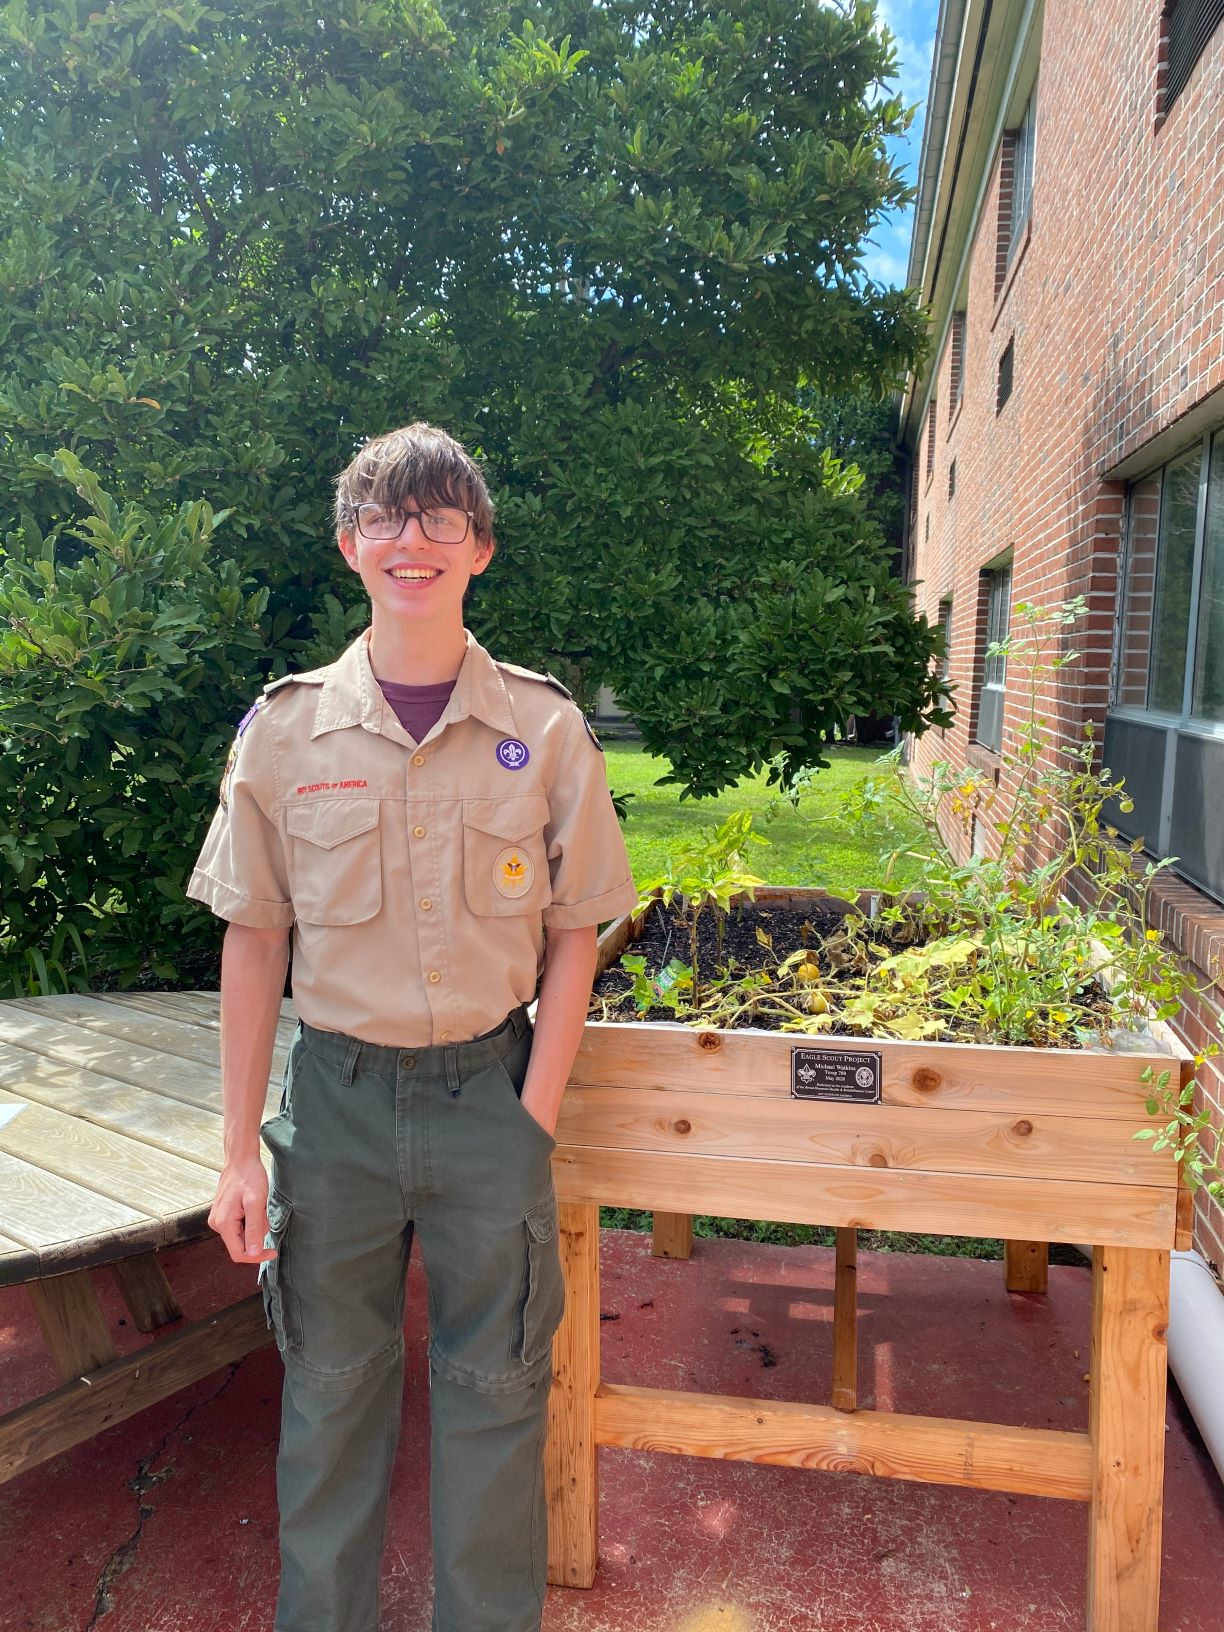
587 860
241 874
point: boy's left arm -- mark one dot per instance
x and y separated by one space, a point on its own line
565 996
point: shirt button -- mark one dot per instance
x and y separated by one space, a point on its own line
418 832
426 904
434 977
418 759
444 1037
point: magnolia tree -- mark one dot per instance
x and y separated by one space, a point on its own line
616 249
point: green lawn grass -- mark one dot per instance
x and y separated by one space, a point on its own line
809 844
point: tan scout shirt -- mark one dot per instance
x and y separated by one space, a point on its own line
418 878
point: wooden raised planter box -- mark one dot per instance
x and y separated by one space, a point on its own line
1033 1145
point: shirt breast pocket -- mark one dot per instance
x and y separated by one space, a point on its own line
335 861
505 860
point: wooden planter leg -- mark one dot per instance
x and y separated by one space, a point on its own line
72 1323
1027 1265
673 1235
570 1463
1130 1311
146 1291
845 1323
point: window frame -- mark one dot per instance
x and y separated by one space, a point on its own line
1024 147
1007 363
1201 26
992 682
1128 724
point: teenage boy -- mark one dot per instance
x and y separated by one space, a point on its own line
436 831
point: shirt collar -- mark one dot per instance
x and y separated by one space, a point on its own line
352 696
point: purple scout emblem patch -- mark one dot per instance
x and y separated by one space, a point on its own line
247 718
512 753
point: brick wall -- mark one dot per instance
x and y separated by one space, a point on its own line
1114 298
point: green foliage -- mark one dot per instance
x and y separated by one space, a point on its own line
1027 955
703 877
123 656
605 245
862 430
1182 1132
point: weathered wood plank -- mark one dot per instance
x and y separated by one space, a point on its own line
868 1198
146 1291
845 1322
956 1075
106 1163
72 1322
942 1451
153 1034
48 1213
928 1138
1026 1266
90 1050
44 1428
571 1468
148 1115
1130 1311
195 1008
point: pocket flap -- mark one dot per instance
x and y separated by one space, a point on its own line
278 1212
542 1221
513 818
329 822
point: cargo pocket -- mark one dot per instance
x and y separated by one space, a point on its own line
280 1307
543 1301
335 861
505 859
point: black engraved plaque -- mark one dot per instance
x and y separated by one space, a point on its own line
846 1076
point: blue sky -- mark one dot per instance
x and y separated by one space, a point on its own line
913 23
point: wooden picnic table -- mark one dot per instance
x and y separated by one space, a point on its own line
110 1146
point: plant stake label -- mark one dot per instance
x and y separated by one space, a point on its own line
845 1077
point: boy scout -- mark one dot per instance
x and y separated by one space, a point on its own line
433 879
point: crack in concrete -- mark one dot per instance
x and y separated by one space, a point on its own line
124 1555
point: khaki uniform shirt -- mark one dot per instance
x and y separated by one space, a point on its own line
418 878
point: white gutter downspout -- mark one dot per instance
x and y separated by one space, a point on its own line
1196 1345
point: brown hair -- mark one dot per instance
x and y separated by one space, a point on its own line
417 462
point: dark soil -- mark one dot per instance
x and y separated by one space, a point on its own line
666 937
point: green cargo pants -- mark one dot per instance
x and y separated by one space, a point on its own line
371 1146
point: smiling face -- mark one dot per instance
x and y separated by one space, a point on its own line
412 578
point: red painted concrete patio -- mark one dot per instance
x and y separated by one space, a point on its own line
166 1523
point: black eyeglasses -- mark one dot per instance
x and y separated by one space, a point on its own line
445 525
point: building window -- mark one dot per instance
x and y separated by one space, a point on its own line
945 631
1007 366
1187 27
956 364
926 532
930 442
1165 729
1015 189
997 595
952 480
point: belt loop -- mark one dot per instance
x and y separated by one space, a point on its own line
350 1062
518 1021
451 1058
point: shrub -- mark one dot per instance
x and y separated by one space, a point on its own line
126 653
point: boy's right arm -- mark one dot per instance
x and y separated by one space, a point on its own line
253 964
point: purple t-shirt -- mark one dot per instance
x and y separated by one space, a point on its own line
417 708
